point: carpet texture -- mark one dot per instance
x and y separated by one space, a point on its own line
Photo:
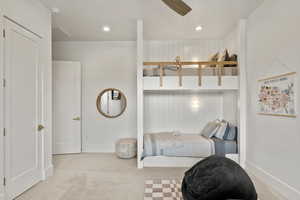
97 177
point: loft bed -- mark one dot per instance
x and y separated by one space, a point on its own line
168 149
208 75
168 81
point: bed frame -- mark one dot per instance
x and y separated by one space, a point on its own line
165 161
218 69
199 81
186 162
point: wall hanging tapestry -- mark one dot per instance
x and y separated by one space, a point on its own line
277 95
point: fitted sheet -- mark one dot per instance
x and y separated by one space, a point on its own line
182 145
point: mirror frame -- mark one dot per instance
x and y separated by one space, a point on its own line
99 101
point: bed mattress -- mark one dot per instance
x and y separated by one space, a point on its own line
183 145
186 145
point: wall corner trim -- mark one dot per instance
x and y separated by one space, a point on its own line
273 182
47 172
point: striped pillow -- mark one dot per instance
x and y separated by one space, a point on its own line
223 130
232 133
210 129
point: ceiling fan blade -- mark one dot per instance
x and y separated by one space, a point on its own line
178 6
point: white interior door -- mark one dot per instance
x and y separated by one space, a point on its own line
67 107
22 110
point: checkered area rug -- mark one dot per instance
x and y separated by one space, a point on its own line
162 189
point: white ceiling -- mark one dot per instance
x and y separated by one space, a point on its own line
82 20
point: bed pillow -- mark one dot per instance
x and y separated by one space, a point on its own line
233 57
210 129
232 133
222 130
214 58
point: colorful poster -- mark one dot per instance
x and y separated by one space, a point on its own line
277 96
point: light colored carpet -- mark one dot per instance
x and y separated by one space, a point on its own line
97 177
105 177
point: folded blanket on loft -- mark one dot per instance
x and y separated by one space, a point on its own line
183 145
186 145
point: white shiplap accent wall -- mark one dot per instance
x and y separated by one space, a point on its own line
230 108
231 41
183 111
186 111
190 50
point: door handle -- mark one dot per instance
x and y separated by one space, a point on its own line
40 127
76 119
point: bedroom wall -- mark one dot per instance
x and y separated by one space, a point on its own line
187 112
231 40
273 48
229 106
113 64
193 50
104 65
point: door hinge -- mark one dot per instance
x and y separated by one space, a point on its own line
3 33
4 181
3 83
4 132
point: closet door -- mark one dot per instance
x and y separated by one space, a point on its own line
1 112
22 140
67 107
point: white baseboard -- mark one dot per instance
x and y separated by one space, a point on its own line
96 148
48 172
274 183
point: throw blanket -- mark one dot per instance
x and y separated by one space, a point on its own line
223 147
183 145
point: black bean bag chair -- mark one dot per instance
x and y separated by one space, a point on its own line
217 178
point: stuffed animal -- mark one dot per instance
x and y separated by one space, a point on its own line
217 178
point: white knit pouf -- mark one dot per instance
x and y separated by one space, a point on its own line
126 148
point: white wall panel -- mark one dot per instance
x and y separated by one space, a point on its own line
230 106
231 41
173 110
189 50
186 111
273 48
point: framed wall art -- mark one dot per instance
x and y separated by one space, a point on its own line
277 95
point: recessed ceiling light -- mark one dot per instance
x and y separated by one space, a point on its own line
106 28
55 10
199 28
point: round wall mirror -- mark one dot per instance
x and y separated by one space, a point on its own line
111 103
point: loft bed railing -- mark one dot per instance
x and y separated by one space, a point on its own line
218 66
